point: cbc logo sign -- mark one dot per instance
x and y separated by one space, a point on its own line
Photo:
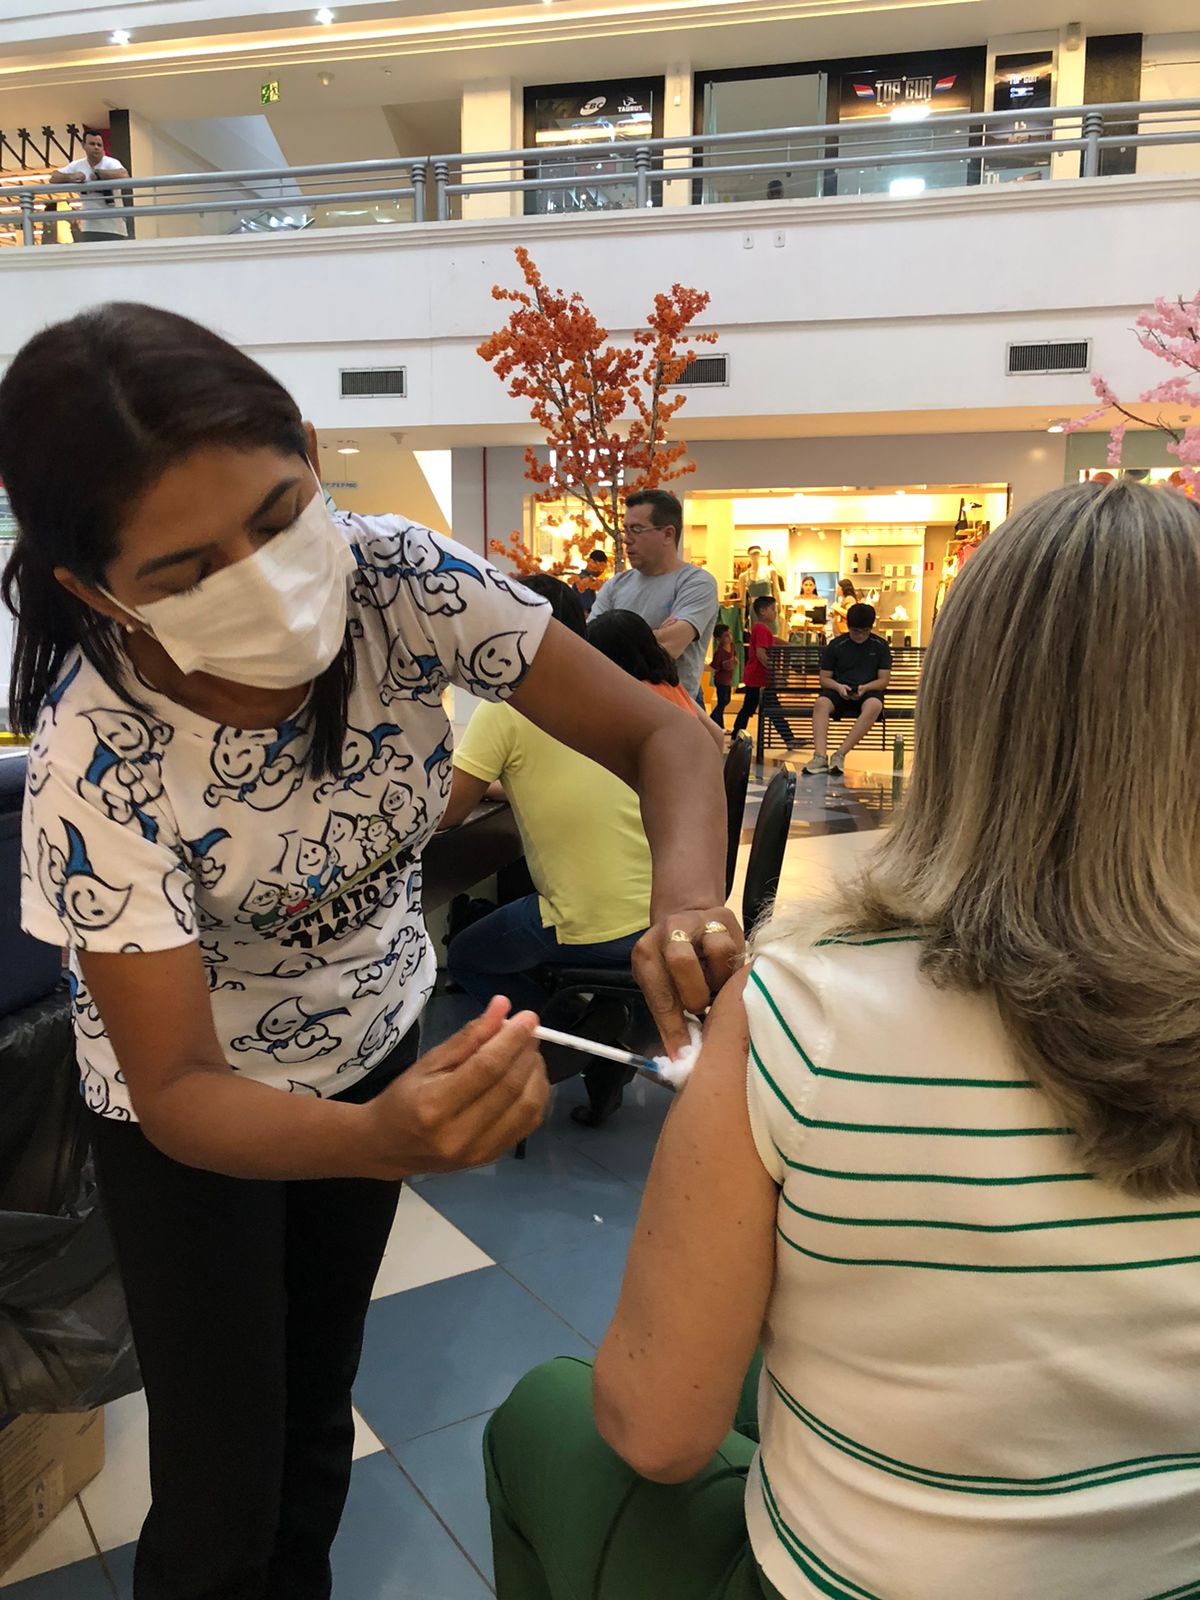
592 106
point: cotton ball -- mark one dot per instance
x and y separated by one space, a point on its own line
676 1072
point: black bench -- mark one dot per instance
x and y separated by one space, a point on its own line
796 681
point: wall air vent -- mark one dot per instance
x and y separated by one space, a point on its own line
704 372
365 383
1053 355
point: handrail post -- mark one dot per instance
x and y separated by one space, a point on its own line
25 201
441 177
1093 127
641 163
417 175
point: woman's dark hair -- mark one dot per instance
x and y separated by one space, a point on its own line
564 602
629 640
845 587
808 578
92 412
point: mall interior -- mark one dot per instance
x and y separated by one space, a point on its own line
925 229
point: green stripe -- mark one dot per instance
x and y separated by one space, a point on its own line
1185 1591
865 944
818 1572
879 1077
988 1227
887 1127
930 1177
960 1266
1001 1487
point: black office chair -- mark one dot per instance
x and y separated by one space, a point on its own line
737 783
767 849
29 970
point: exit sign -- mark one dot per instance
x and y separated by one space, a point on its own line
270 94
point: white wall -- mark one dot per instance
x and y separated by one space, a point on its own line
871 305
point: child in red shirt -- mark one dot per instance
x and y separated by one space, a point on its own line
758 672
722 665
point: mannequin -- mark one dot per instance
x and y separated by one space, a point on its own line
759 578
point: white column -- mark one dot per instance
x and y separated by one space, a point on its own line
492 118
678 110
1070 66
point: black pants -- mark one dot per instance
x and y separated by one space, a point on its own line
750 704
247 1301
724 695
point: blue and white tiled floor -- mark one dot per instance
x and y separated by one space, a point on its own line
488 1273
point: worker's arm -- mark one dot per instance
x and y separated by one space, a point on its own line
675 771
462 1104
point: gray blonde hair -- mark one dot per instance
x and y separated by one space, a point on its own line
1049 846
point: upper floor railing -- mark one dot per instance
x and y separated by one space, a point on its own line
901 155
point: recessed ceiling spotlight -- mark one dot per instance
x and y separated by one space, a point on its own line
324 79
324 16
348 449
1057 427
120 36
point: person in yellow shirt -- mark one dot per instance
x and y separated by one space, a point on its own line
584 845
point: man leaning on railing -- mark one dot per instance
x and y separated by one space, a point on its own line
93 164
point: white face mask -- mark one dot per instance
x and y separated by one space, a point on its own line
274 620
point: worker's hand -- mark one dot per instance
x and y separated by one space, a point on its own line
465 1102
683 973
846 692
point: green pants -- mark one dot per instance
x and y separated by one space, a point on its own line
570 1521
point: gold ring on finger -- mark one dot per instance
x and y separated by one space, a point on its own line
715 927
678 936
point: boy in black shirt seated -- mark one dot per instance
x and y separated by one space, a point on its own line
854 674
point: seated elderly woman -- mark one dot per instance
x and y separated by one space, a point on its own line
939 1161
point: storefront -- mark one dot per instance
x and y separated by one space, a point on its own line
900 547
560 116
906 89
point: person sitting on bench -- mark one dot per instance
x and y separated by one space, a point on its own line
854 674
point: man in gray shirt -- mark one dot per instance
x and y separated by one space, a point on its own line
679 601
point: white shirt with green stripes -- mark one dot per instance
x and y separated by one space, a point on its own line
982 1365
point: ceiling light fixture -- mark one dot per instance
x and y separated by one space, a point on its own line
1057 427
120 36
348 449
324 79
324 16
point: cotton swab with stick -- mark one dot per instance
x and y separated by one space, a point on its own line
660 1068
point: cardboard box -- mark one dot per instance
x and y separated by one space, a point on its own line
44 1463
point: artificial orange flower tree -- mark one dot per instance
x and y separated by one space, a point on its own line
604 409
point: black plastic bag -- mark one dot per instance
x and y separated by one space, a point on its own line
65 1341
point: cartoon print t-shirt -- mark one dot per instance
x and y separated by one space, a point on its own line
148 829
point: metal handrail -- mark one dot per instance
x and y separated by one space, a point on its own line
980 135
830 130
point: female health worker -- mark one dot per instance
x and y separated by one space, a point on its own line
239 751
